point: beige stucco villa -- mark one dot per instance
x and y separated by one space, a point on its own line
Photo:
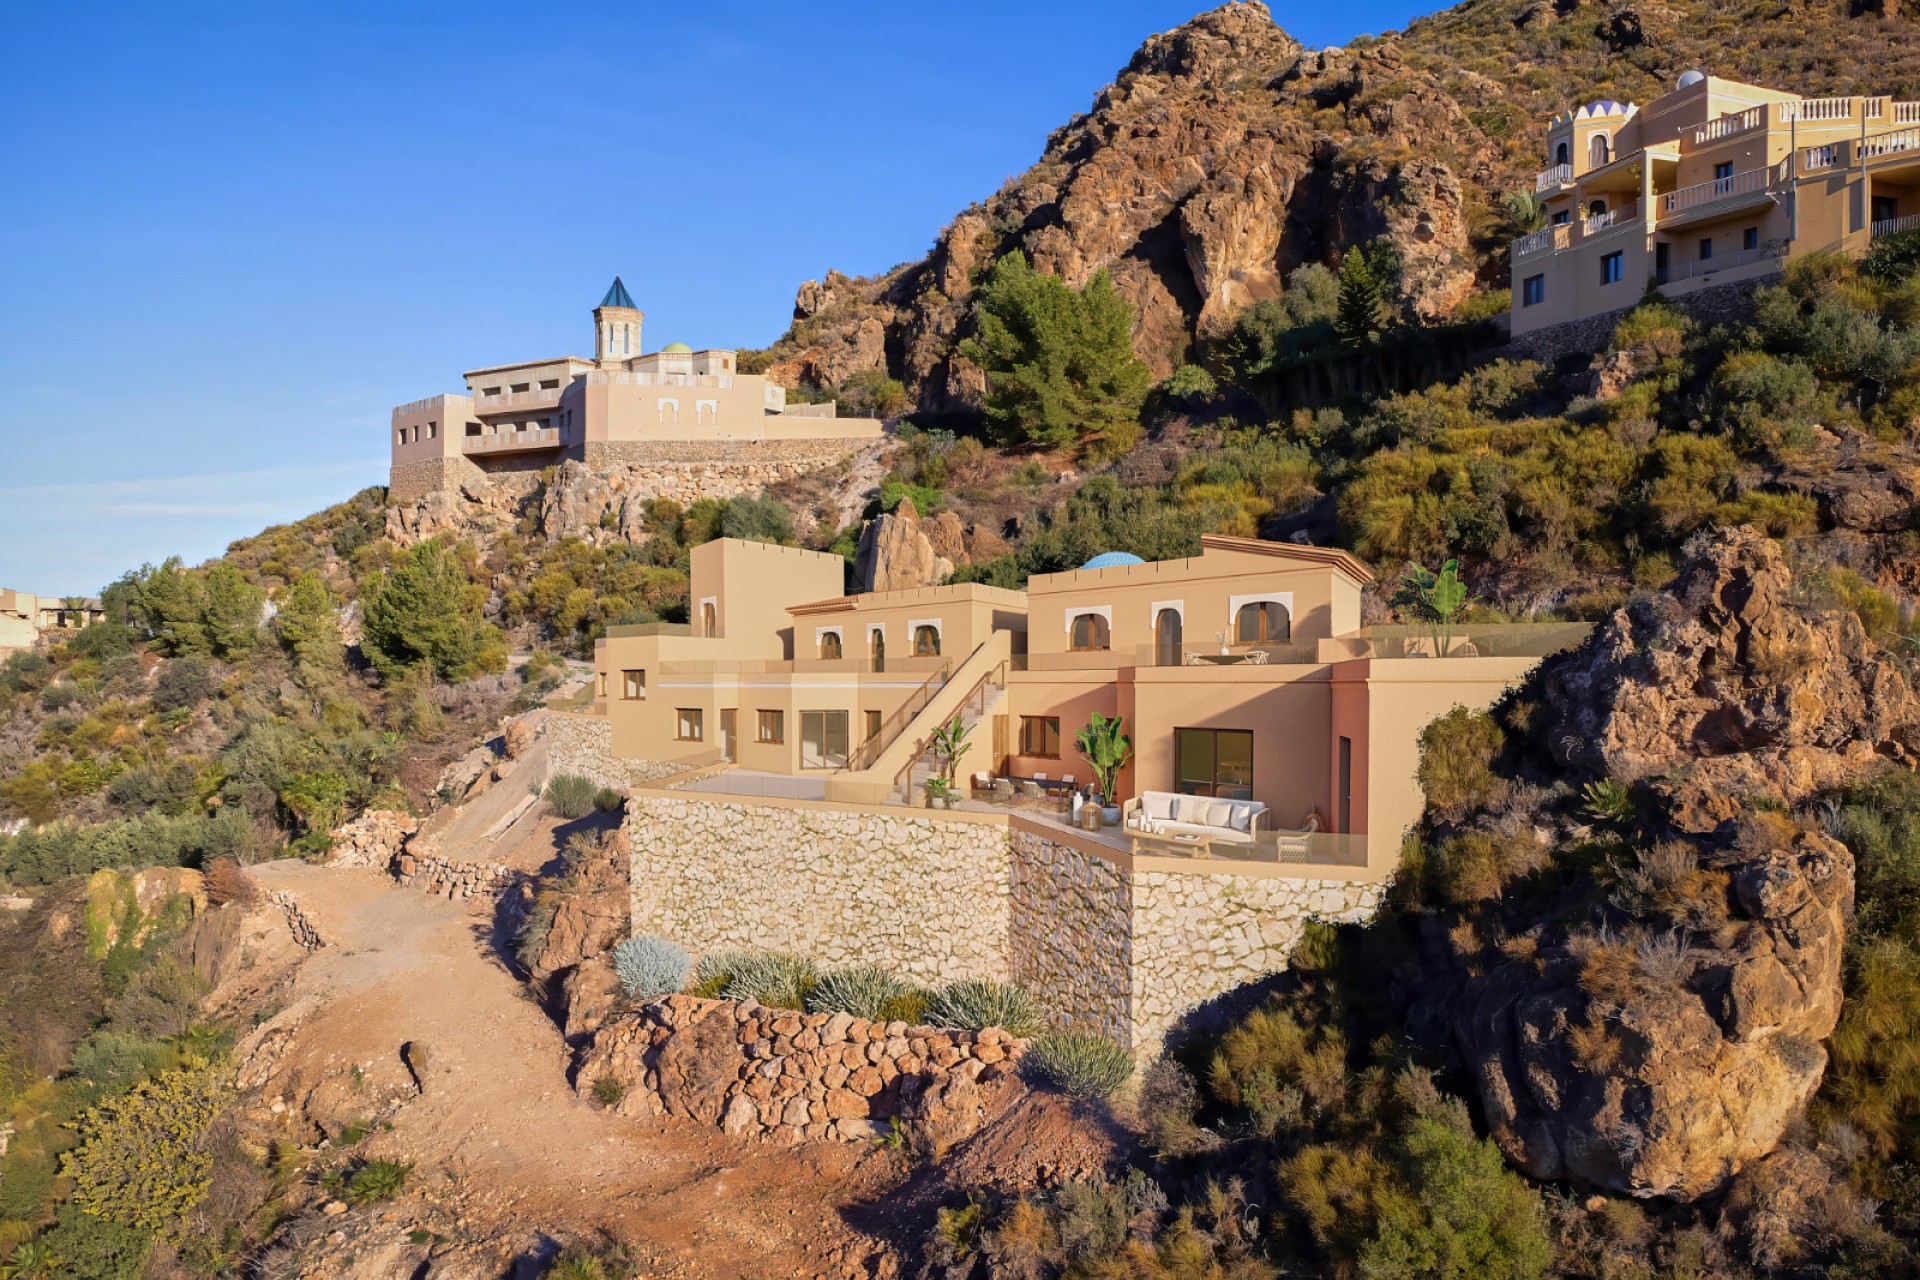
608 409
774 749
1717 182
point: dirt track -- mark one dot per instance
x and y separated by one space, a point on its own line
505 1149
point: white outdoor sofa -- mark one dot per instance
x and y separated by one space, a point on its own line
1221 821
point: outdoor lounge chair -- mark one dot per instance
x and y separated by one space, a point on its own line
1296 843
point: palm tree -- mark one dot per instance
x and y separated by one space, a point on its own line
1522 211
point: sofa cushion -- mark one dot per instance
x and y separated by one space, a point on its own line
1241 819
1158 805
1191 809
1219 812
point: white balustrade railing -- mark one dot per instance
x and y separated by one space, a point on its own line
1555 237
1825 157
1702 193
1886 144
1612 218
1728 125
1558 176
1906 113
1817 109
1892 226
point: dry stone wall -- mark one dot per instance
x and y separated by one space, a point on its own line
1716 304
1069 937
1194 937
786 1075
584 745
445 877
1105 948
928 898
304 931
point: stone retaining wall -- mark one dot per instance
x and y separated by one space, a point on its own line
445 877
1069 941
1195 937
1715 304
926 897
1105 947
583 744
684 470
786 1075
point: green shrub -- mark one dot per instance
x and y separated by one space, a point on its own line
650 967
1079 1064
378 1180
775 978
863 990
974 1004
571 795
608 1091
91 1248
140 1161
909 1006
607 800
183 682
1456 759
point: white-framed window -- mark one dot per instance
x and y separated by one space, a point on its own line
670 412
829 642
1260 619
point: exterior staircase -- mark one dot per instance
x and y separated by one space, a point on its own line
925 766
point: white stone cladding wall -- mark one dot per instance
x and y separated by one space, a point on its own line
1198 936
1071 944
927 898
584 745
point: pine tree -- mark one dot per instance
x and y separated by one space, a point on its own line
1363 302
307 626
427 611
1059 363
233 611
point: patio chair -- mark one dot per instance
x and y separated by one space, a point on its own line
1032 790
1296 842
1002 791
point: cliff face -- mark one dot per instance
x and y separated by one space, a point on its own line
1662 1051
1224 155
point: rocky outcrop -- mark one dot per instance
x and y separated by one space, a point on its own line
1221 157
374 839
1757 699
896 551
1659 1042
592 904
787 1075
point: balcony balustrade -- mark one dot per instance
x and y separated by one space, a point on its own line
1887 144
1558 176
1893 226
512 441
1701 194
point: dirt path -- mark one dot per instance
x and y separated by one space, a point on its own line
505 1148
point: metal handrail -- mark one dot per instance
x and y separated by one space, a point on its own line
875 745
997 676
1893 226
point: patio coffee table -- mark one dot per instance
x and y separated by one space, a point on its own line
1191 844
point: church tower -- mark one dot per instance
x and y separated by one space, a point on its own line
616 326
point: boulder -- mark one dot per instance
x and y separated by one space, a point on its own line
896 553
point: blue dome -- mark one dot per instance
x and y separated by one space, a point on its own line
1108 559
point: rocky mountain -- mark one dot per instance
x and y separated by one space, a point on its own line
1225 154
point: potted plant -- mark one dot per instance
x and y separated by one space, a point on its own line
939 793
1437 599
1106 750
950 746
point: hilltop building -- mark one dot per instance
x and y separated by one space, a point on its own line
23 617
1716 183
622 406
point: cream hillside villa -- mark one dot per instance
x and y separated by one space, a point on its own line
1716 183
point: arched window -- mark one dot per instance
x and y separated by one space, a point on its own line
1090 633
709 619
926 641
670 411
830 644
1263 622
1560 155
1599 150
878 644
1596 207
1166 638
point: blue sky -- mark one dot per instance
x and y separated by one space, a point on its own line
236 235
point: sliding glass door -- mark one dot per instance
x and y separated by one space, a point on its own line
824 739
1214 762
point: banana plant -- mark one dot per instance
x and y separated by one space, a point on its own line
949 743
1106 750
1437 599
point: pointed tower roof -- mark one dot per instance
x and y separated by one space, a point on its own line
617 296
